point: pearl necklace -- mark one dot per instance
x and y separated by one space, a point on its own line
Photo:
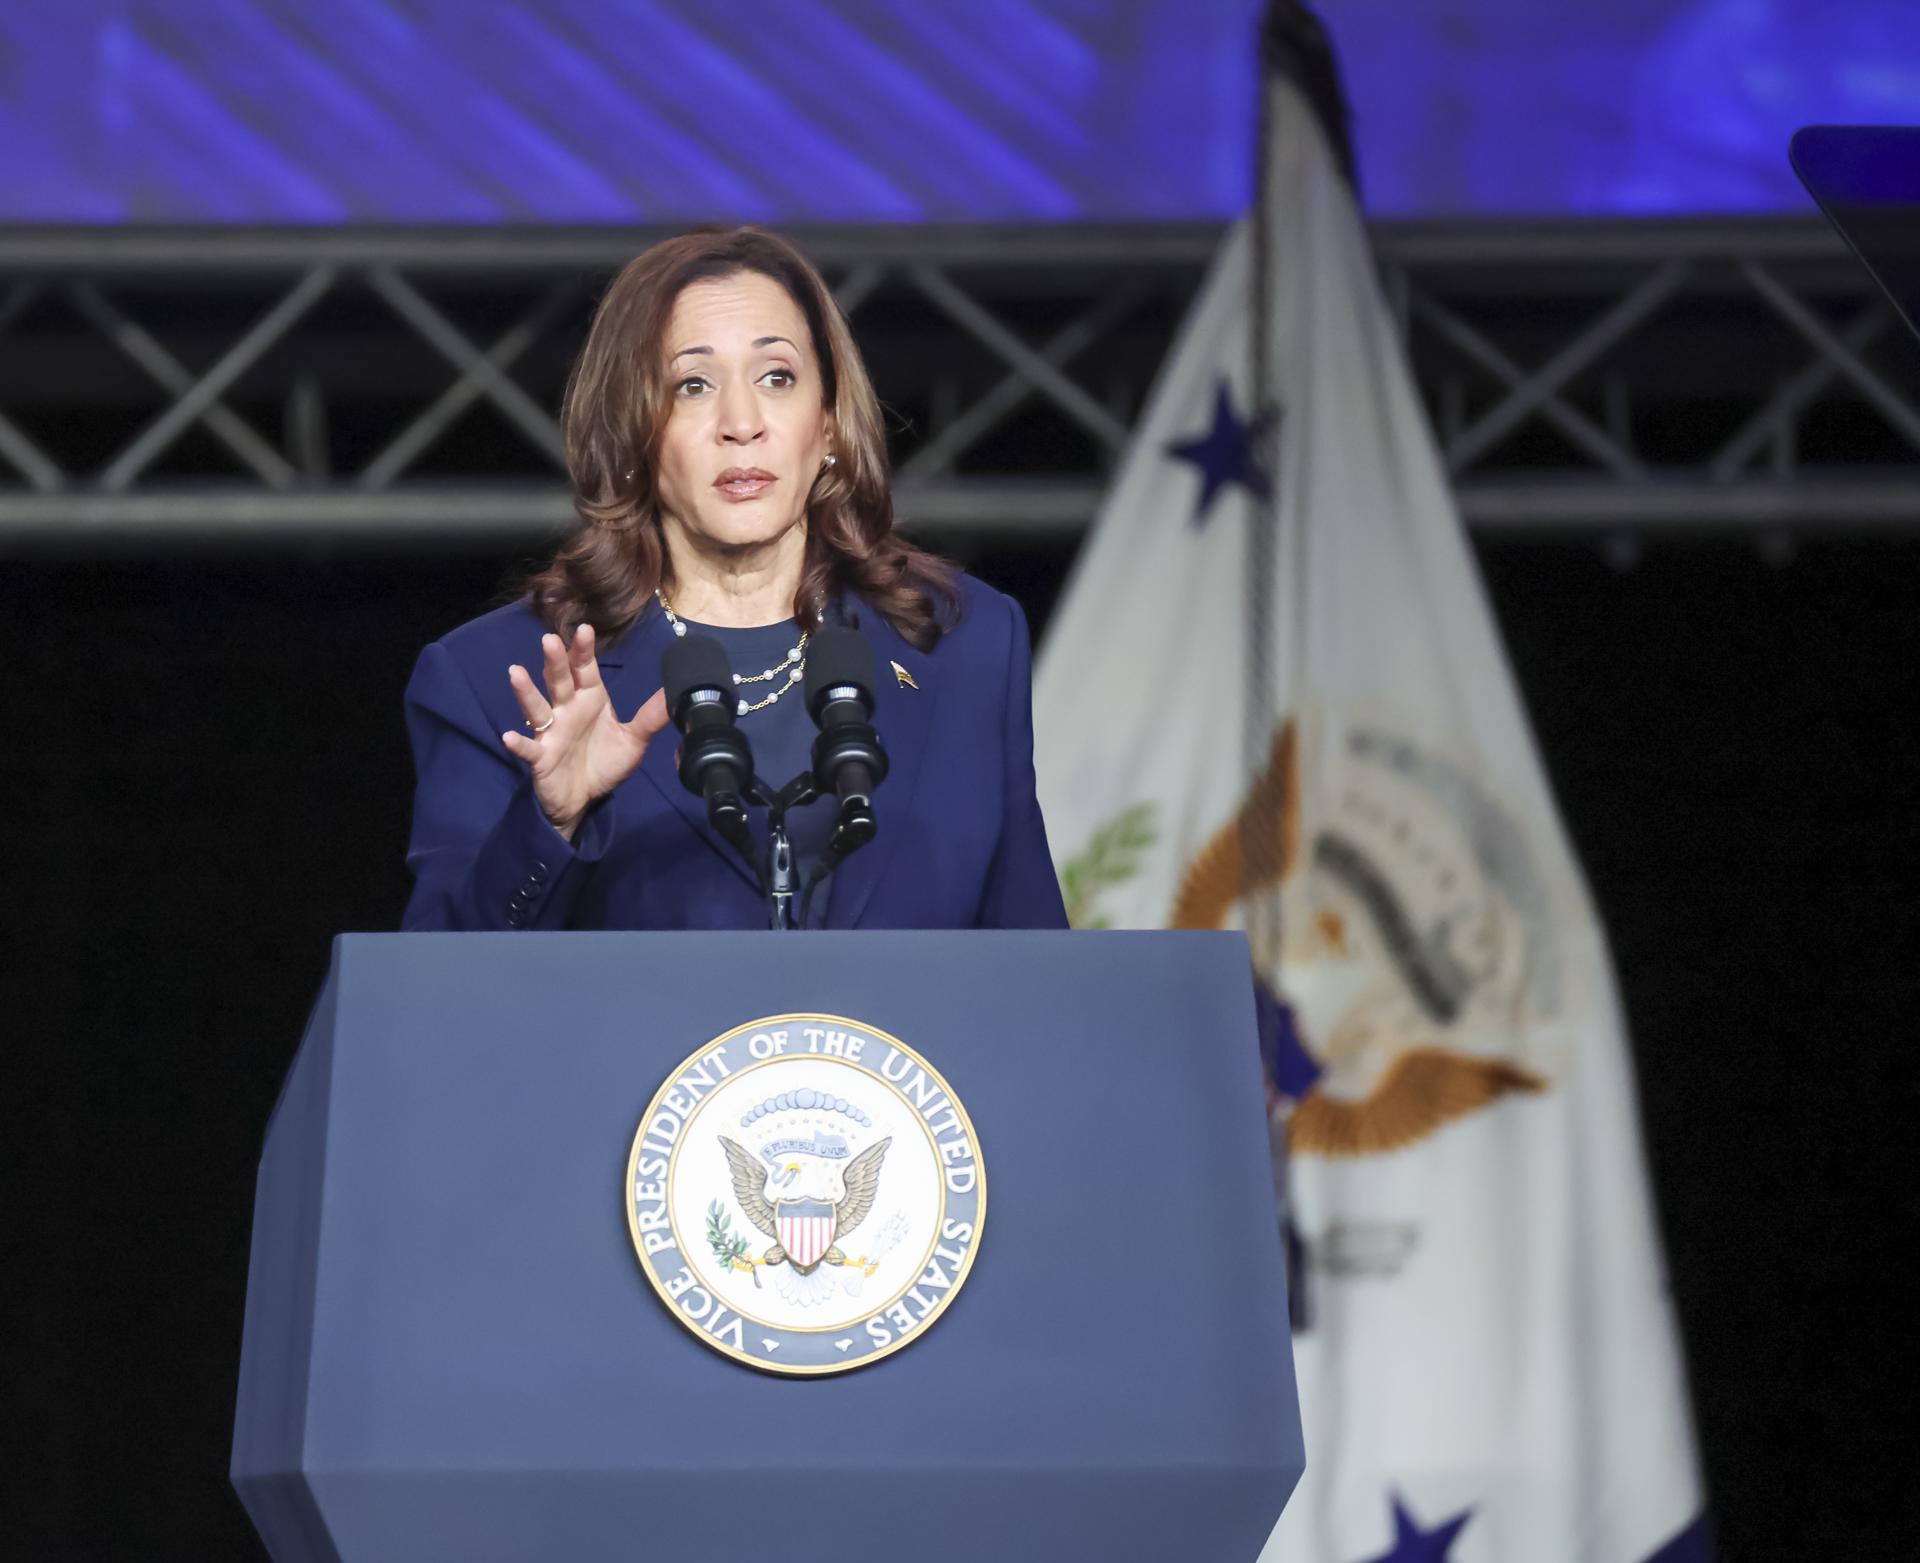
793 664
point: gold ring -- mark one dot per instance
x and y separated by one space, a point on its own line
537 731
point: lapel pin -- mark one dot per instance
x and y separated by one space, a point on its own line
902 676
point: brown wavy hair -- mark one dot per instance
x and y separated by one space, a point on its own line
619 397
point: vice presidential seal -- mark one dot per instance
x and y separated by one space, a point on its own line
805 1194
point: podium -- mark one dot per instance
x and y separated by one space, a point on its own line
452 1349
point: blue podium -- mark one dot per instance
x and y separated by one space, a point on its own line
452 1350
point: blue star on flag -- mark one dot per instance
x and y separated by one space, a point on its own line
1226 453
1413 1544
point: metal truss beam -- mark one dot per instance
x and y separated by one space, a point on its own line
957 510
491 251
1897 410
1035 368
1527 393
540 427
482 374
173 377
508 511
1581 376
27 458
1530 393
1775 420
967 427
198 397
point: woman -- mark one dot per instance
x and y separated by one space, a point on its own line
730 471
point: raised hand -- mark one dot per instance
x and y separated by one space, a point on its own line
577 748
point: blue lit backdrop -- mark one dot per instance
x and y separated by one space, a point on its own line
1591 107
619 111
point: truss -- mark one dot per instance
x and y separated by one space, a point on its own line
1613 376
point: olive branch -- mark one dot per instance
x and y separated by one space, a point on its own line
1112 857
727 1245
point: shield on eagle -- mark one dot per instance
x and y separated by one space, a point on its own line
806 1228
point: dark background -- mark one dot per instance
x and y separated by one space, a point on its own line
207 778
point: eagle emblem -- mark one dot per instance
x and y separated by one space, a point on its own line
802 1198
1403 939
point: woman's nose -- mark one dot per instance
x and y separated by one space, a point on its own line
740 419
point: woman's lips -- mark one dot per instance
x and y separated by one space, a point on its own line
744 482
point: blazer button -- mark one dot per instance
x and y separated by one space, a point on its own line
515 919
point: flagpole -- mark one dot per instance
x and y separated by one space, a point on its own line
1260 839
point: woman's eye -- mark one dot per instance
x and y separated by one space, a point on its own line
693 385
779 379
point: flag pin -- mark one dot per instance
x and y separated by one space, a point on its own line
902 676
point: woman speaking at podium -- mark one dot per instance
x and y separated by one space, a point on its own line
730 473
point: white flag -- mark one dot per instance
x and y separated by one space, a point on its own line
1484 1339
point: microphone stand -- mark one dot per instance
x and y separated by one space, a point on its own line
775 867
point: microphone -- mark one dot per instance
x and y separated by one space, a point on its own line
847 758
715 760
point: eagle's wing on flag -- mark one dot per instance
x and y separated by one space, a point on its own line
1216 880
1422 1089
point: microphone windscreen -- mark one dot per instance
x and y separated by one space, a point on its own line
695 662
837 657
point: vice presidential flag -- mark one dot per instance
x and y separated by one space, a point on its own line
1485 1344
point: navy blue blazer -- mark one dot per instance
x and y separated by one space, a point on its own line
961 843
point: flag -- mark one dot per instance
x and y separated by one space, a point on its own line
1320 719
